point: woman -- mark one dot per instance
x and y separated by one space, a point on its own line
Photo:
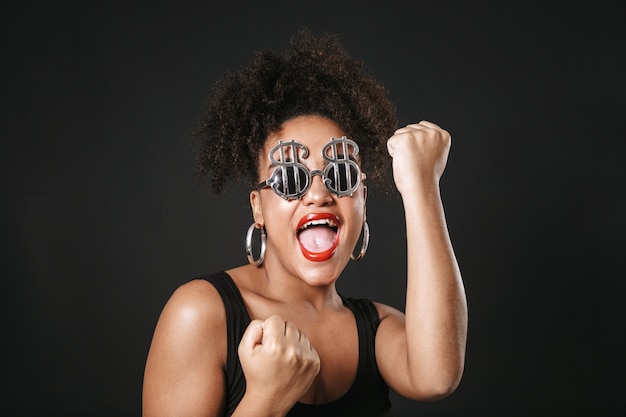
274 338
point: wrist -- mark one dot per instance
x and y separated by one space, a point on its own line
252 405
423 190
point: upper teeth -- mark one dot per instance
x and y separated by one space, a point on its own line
328 222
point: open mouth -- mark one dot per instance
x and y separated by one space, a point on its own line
318 235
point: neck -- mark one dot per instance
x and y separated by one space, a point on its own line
279 285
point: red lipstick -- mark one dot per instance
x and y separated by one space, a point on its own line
318 236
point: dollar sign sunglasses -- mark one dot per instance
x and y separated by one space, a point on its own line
291 179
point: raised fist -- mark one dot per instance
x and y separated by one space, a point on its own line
278 362
420 153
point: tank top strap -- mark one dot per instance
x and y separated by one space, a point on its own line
237 320
367 320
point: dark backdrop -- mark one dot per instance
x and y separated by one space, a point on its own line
102 217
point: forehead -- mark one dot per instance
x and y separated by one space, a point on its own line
312 131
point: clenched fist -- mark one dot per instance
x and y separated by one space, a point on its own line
419 152
278 362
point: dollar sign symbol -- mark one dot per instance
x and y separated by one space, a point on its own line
293 181
342 175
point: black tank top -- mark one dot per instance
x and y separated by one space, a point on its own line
367 397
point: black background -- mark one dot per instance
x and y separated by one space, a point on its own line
102 217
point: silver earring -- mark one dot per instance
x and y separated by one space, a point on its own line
251 259
366 241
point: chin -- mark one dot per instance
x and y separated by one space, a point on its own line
320 274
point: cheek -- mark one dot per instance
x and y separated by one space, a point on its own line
358 205
276 212
356 210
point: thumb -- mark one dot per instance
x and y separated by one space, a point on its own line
392 142
253 336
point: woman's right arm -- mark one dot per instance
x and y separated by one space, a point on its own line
184 371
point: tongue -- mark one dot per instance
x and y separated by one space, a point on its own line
317 238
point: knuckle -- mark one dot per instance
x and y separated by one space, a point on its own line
314 364
273 324
274 319
293 354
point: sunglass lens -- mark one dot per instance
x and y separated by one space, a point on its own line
292 184
342 178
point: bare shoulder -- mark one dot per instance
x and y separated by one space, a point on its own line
390 336
187 354
194 311
195 300
386 312
391 348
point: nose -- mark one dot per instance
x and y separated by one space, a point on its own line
317 194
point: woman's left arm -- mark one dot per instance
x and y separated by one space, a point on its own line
421 354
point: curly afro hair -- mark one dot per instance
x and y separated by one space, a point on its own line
315 76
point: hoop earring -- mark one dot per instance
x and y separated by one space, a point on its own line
364 244
251 259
